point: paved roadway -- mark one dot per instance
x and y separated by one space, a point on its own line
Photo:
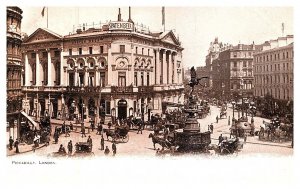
141 145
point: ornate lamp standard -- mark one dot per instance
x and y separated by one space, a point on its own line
233 119
82 117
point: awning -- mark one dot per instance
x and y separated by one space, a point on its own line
35 124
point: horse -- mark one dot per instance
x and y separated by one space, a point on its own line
109 133
160 141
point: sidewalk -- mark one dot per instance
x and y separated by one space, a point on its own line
23 148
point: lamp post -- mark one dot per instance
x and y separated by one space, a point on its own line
246 106
233 104
83 106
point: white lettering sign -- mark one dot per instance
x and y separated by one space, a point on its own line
120 26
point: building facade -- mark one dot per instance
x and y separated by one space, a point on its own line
231 69
116 70
273 69
14 67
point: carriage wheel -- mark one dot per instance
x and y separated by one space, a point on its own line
225 151
125 138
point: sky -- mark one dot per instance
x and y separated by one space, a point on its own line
195 26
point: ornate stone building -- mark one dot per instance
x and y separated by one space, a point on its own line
116 70
14 66
273 69
231 69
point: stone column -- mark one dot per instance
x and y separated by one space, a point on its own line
50 81
164 71
109 67
75 78
170 68
38 68
28 71
62 73
175 69
157 67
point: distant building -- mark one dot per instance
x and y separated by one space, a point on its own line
273 68
231 69
14 67
115 70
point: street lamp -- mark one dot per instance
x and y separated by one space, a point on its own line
233 104
83 106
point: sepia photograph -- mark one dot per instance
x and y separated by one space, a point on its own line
156 82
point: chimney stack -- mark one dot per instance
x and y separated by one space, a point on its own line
119 15
129 19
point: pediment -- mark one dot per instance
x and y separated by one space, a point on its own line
170 38
41 35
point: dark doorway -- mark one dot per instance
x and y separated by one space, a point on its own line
122 109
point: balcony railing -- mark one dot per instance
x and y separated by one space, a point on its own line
86 89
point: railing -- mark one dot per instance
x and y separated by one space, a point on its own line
42 88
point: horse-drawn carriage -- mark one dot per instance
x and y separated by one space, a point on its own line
118 134
273 132
228 146
240 128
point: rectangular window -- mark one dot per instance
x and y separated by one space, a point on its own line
244 64
142 78
148 52
91 50
142 51
56 53
135 78
287 54
102 79
70 51
122 79
271 57
101 49
136 50
80 51
278 67
122 48
134 106
234 64
33 55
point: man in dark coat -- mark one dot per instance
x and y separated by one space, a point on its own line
82 131
220 139
89 140
102 143
140 128
99 129
106 151
70 147
114 148
63 128
212 128
11 142
56 136
92 126
71 126
17 146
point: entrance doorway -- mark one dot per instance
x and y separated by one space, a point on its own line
122 109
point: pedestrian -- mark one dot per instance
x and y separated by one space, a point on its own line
220 139
17 146
99 129
212 128
70 147
140 128
71 126
106 151
252 120
217 119
11 142
92 126
229 120
245 138
67 131
102 143
89 140
56 136
47 140
82 131
63 128
114 148
62 149
208 127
